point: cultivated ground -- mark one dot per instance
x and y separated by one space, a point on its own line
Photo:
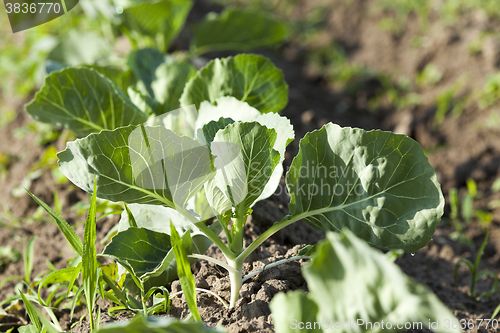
360 63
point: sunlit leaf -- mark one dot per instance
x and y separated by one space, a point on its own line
378 184
83 101
248 77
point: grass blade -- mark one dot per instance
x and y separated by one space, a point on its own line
28 259
75 301
89 260
30 309
116 290
66 229
36 317
495 312
62 275
481 250
457 266
184 272
76 272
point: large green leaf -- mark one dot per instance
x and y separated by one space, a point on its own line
237 29
293 307
223 107
367 289
180 121
157 218
143 64
281 125
248 77
285 135
80 48
138 164
146 252
83 101
378 184
165 18
162 77
245 160
210 130
122 78
141 324
144 102
171 77
217 201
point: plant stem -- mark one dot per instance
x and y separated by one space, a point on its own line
237 230
215 239
143 301
472 284
215 261
268 233
274 264
208 232
237 263
236 280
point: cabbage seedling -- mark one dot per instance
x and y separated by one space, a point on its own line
377 184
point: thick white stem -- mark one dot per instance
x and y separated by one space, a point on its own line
236 281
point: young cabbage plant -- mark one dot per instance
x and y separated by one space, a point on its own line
88 99
377 184
349 282
225 82
158 24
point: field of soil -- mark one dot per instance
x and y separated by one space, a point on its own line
464 145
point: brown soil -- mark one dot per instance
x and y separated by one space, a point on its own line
466 146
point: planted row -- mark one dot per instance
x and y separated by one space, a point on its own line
189 174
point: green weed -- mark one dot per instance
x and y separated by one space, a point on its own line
476 275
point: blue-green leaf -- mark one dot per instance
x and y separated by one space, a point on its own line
138 164
378 184
367 288
248 77
239 30
83 101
